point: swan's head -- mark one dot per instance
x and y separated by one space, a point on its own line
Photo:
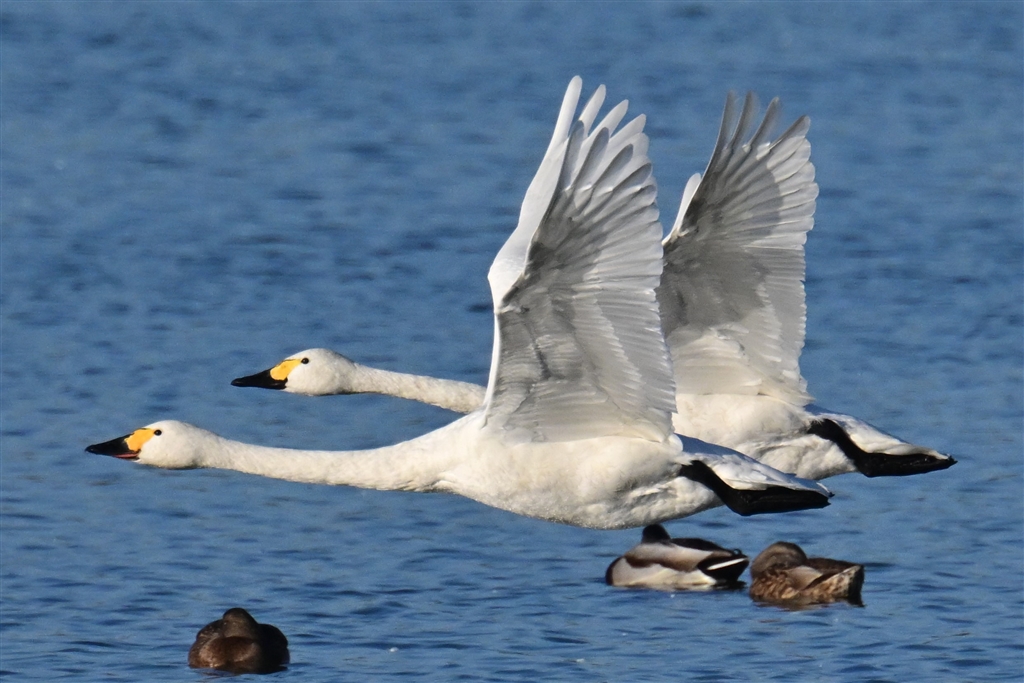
314 372
169 444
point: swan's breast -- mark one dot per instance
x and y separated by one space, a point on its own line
592 482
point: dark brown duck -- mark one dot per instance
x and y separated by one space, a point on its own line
238 644
783 573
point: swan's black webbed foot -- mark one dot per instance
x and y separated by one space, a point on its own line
879 464
748 502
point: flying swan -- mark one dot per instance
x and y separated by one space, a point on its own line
576 425
732 311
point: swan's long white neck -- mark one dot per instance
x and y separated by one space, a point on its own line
461 397
415 465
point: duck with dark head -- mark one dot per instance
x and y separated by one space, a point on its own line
783 574
238 644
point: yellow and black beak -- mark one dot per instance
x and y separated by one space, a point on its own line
124 447
264 380
274 378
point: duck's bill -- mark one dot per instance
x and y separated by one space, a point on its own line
117 448
263 380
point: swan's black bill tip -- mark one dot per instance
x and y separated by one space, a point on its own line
115 448
263 380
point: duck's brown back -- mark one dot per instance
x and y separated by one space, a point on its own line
238 644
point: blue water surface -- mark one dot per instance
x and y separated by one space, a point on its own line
190 191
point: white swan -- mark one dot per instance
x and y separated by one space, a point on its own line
576 423
660 561
732 311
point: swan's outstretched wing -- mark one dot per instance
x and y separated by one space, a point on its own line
732 293
578 350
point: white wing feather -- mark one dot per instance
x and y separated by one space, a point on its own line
578 351
732 294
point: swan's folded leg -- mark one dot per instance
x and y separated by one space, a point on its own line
746 502
880 464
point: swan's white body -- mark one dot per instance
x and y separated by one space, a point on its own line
576 424
733 313
608 482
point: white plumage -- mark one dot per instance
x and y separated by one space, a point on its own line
732 310
576 424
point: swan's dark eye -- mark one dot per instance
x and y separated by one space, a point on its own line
157 432
305 361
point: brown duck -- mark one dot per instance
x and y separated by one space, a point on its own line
782 573
238 644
